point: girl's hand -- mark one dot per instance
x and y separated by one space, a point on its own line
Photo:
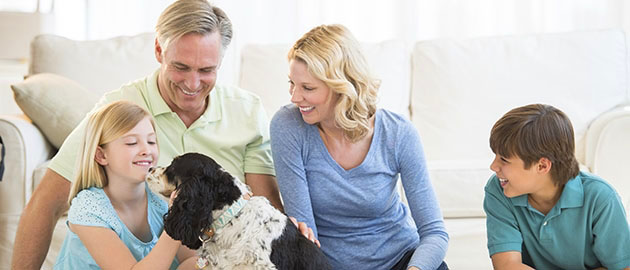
172 198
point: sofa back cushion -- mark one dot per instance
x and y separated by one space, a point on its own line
97 65
264 70
460 88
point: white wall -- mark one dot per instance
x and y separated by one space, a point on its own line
284 21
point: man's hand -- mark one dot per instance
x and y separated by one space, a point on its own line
306 231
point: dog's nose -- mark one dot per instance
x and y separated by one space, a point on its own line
151 170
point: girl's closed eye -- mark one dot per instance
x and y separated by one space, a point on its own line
131 142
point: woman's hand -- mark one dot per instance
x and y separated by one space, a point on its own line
306 231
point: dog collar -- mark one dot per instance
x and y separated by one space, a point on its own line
226 216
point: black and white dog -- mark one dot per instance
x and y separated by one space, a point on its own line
213 210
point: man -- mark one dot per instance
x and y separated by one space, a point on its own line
191 115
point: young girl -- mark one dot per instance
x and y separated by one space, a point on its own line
115 221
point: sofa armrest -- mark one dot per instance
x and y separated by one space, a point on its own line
608 149
25 148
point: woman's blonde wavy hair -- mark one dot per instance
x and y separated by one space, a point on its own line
333 55
105 125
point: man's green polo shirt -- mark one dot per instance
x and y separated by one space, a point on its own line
587 227
234 130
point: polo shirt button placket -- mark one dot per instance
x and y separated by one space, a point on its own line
185 141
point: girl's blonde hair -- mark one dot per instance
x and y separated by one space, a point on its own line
333 55
105 125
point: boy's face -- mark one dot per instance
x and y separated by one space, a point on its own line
515 179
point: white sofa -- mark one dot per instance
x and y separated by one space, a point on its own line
452 90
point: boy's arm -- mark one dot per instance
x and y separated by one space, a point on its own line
611 230
508 260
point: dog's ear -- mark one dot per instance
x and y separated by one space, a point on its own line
223 187
190 213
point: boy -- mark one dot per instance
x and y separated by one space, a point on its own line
542 212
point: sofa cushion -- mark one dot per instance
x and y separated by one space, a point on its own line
97 65
264 70
54 103
462 87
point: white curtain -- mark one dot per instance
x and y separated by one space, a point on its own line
284 21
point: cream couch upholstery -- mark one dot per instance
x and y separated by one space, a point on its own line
452 90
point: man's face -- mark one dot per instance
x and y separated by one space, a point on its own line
188 71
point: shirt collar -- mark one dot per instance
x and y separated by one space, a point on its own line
573 194
158 104
212 113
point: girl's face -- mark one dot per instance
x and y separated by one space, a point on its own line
130 156
311 95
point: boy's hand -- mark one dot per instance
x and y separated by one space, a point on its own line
306 231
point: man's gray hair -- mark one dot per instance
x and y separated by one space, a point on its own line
192 16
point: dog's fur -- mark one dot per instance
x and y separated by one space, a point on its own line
259 237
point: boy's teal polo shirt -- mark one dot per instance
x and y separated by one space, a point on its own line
234 130
587 228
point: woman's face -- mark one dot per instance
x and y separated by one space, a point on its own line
311 95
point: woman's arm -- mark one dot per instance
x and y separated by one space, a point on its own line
287 142
422 200
104 244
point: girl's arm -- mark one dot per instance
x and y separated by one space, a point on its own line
187 258
110 252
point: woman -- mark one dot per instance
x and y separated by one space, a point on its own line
338 158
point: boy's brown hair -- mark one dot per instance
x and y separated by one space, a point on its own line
535 131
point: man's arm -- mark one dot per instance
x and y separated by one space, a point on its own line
509 260
37 223
265 185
